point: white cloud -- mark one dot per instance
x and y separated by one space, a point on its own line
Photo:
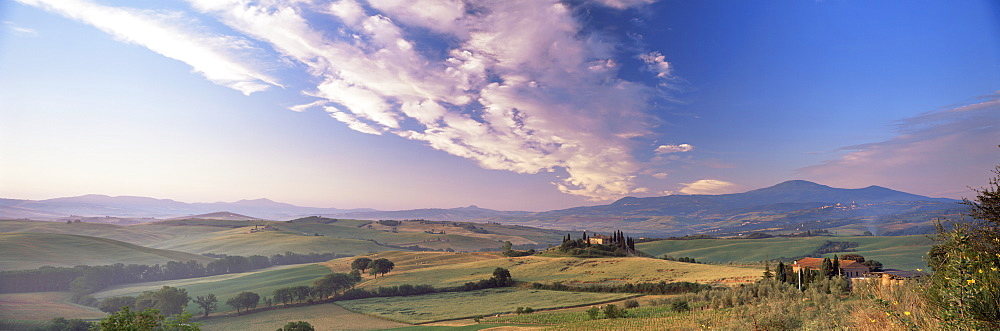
622 4
960 141
665 149
19 30
657 63
521 88
660 175
215 56
708 186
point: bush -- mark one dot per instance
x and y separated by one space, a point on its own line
297 326
631 303
680 306
593 312
966 264
612 311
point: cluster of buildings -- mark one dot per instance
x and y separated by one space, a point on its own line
856 271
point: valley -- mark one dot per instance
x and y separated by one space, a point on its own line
737 233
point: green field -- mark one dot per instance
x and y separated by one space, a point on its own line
440 272
226 287
903 252
33 250
455 305
322 317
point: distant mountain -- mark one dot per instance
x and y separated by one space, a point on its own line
221 216
786 194
790 206
435 214
143 208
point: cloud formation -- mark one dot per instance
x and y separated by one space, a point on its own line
708 186
665 149
517 86
215 56
960 142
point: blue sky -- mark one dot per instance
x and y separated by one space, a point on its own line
517 105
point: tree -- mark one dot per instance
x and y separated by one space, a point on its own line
507 245
114 304
873 266
502 277
612 311
168 300
63 324
361 263
779 273
207 303
966 260
297 326
126 319
334 282
283 295
593 312
244 301
380 266
767 271
835 265
301 293
853 257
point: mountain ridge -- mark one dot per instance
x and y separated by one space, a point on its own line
785 197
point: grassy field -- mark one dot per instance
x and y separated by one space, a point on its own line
455 269
322 317
33 250
129 234
43 306
904 252
453 305
226 287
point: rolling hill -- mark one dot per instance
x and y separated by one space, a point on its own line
901 252
34 250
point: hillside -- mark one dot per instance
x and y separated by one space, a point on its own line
452 269
34 250
904 252
793 206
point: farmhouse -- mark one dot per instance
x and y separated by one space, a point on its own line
848 268
599 239
894 276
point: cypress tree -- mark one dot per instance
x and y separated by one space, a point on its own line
780 272
836 265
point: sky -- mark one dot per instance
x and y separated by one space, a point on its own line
513 105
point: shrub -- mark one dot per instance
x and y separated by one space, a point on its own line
680 306
593 312
631 303
612 311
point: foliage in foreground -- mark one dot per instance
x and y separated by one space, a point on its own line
965 286
149 319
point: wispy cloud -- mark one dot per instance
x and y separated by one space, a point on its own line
520 85
517 92
708 186
215 56
19 30
959 141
